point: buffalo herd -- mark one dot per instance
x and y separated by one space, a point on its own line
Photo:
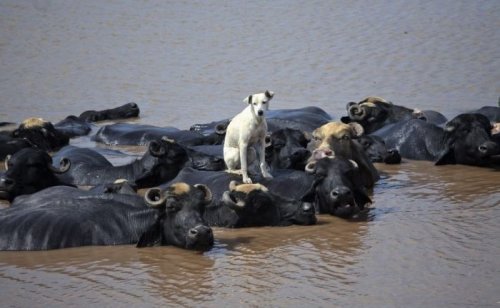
174 192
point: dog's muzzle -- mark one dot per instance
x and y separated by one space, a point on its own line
260 113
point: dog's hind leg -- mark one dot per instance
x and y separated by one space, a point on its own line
244 163
232 159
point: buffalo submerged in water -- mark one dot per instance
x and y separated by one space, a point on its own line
62 217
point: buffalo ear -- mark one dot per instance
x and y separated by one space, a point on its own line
152 236
345 120
446 157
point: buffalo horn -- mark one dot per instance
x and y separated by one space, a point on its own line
206 191
154 197
7 162
64 166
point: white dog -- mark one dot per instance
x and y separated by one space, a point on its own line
245 135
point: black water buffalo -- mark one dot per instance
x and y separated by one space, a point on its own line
287 149
466 139
41 134
136 134
160 163
206 157
72 126
338 139
28 171
9 146
377 151
338 188
374 113
248 205
491 112
304 119
62 217
130 110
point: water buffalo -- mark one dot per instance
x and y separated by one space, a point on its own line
9 146
244 205
72 126
377 151
338 139
136 134
62 217
466 139
287 149
339 188
28 171
374 113
129 110
304 119
41 134
491 112
160 163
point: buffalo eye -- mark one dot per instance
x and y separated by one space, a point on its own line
346 137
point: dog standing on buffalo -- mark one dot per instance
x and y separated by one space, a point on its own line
246 134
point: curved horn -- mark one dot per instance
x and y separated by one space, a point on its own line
7 158
155 197
64 166
232 185
354 164
226 198
208 193
268 141
357 112
349 105
310 167
169 140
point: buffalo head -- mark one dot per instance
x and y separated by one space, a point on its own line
161 162
179 220
287 149
338 188
467 140
338 139
41 134
28 171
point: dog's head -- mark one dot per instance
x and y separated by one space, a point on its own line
259 102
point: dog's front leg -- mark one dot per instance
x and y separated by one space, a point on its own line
262 157
244 162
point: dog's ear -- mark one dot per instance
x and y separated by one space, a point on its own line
269 94
248 99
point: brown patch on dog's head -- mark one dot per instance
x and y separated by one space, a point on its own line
179 189
32 123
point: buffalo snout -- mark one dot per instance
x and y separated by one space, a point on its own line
489 148
200 237
393 157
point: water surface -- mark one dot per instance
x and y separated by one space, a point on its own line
432 236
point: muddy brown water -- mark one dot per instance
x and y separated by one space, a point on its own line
432 235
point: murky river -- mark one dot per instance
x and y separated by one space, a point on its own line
432 237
